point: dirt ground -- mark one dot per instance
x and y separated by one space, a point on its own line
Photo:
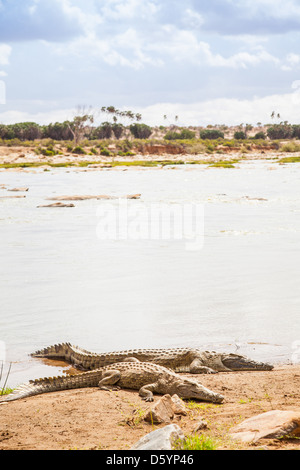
89 419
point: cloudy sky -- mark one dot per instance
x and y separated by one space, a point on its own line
207 61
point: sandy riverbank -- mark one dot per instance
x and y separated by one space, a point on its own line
18 158
92 419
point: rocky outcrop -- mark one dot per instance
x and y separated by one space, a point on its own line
164 410
161 439
86 198
57 204
271 425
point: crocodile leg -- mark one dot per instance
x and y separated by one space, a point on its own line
109 379
146 392
196 367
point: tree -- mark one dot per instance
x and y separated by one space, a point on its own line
81 124
211 134
140 131
280 131
240 135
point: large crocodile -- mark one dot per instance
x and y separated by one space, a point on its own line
146 377
186 360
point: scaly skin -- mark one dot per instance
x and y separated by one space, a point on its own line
188 360
145 377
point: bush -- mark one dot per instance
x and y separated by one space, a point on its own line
260 135
185 134
280 131
211 134
296 131
290 147
79 150
105 153
102 132
140 131
240 135
118 130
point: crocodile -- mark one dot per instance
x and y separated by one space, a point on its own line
147 378
185 360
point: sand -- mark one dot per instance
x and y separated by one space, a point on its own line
89 419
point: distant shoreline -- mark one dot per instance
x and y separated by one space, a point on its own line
143 154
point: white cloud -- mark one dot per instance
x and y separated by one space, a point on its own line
225 111
5 52
128 9
184 46
217 111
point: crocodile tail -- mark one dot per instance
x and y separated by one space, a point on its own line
78 357
53 384
57 351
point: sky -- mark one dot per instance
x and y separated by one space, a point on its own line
205 61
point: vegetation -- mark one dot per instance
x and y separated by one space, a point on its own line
240 135
140 131
290 147
196 442
185 134
211 134
290 160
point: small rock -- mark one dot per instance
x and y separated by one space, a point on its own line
270 425
162 411
178 406
87 198
161 439
58 204
12 197
22 190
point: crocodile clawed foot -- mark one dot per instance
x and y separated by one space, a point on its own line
109 389
148 399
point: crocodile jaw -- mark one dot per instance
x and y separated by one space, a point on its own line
235 362
192 390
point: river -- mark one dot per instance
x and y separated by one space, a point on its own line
238 291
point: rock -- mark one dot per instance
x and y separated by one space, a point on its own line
161 439
270 425
178 406
85 198
23 190
161 412
12 197
58 204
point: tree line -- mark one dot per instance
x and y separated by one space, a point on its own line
81 127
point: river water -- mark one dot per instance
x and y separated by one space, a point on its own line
60 281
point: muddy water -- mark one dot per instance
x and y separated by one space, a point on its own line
60 282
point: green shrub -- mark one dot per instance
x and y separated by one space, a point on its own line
296 131
240 135
105 153
280 131
290 147
260 135
185 134
140 131
79 150
196 442
211 134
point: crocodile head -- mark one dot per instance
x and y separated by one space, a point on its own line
193 390
235 362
